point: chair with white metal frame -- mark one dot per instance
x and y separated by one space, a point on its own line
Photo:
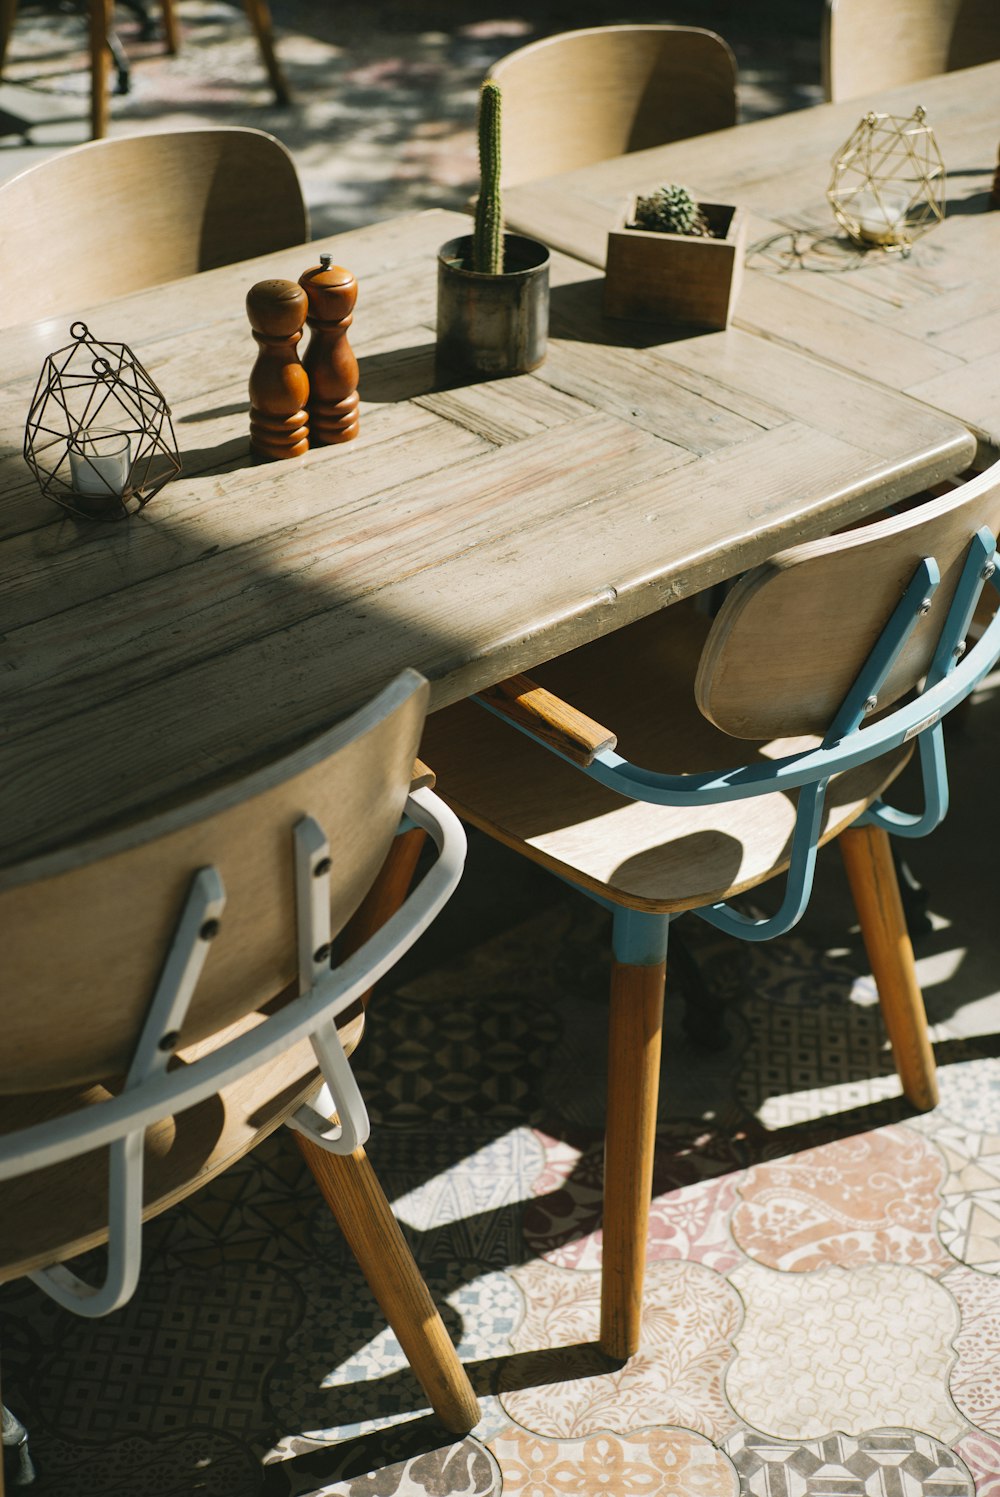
168 996
764 733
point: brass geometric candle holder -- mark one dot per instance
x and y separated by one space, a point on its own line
98 437
888 181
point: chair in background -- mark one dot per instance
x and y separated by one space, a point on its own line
868 47
118 215
763 733
168 995
103 45
583 96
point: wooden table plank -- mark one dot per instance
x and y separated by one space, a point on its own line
927 324
470 531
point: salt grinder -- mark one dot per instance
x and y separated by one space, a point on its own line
329 360
279 386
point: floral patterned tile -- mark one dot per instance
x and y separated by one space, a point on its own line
982 1456
559 1385
975 1379
877 1463
844 1349
871 1198
693 1193
970 1095
656 1463
410 1462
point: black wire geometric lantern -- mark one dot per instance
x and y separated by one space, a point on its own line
98 437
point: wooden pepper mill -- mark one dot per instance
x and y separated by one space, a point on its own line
279 386
329 360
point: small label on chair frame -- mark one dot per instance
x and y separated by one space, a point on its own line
919 727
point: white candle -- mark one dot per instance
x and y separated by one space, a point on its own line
99 462
881 216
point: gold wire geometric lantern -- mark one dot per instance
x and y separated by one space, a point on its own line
98 436
888 181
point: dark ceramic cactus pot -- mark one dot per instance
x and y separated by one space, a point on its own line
490 325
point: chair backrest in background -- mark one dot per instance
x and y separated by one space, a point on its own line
86 929
791 637
870 45
118 215
584 96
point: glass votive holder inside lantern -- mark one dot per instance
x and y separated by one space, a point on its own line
100 460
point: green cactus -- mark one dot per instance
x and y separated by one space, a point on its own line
671 210
487 239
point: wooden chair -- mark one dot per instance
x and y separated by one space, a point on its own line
764 733
101 31
583 96
118 215
868 47
168 996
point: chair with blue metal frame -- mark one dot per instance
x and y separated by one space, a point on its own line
169 1001
762 733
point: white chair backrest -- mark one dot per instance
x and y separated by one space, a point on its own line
793 634
86 929
584 96
871 45
118 215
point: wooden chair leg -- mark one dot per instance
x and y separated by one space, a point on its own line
100 26
871 874
171 34
260 19
385 895
354 1195
633 1086
8 12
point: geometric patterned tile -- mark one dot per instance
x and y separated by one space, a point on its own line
844 1349
868 1198
969 1221
688 1215
808 1062
975 1378
878 1463
982 1456
657 1463
559 1385
970 1093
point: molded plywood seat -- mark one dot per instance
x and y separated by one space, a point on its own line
169 1001
144 209
868 47
584 96
678 762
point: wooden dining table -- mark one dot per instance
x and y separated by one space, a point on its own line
926 323
471 531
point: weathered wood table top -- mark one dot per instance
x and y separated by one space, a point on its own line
927 324
469 532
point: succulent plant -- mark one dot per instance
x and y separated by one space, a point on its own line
487 238
671 209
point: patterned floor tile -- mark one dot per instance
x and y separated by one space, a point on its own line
975 1379
878 1463
413 1461
871 1198
969 1220
807 1061
982 1456
657 1463
970 1094
559 1385
693 1193
844 1349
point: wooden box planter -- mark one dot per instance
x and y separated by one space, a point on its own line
677 278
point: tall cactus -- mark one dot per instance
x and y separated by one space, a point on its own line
487 239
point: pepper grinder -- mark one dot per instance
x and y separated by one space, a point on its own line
329 360
279 386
